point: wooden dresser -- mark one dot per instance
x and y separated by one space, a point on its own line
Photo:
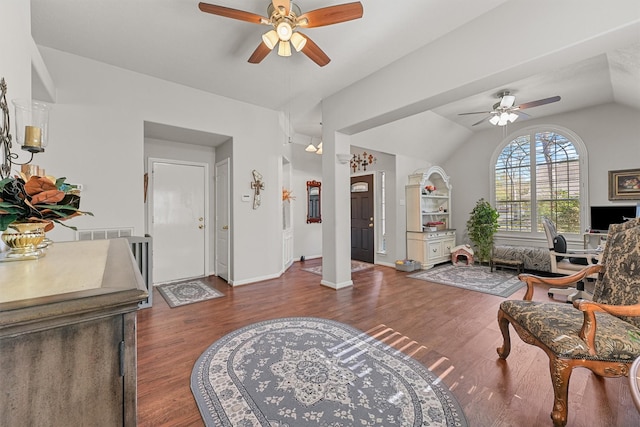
68 336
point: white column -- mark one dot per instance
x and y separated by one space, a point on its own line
336 212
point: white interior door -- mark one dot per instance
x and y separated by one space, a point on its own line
178 221
222 220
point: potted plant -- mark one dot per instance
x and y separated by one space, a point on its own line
42 200
29 208
481 226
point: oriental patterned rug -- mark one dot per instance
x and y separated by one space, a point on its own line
355 267
316 372
474 277
177 294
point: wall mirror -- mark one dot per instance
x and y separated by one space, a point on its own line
313 202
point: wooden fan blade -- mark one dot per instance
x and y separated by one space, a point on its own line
475 112
538 102
313 51
331 15
259 54
480 121
228 12
285 4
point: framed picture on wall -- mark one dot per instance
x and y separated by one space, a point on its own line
624 184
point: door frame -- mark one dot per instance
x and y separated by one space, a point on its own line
149 227
229 219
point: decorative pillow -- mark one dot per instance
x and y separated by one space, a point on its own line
560 246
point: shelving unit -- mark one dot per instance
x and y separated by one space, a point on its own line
429 238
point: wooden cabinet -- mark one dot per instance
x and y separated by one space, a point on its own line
68 338
428 202
432 247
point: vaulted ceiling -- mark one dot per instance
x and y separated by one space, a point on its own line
175 41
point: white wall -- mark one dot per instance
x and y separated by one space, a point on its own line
307 238
610 133
97 139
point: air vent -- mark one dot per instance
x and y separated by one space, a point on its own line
108 233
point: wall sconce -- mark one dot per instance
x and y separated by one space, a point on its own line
361 161
343 158
32 122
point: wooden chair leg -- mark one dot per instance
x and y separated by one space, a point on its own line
503 322
560 376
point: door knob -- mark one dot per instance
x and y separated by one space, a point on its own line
200 219
370 225
226 227
201 226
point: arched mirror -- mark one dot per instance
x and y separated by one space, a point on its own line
313 202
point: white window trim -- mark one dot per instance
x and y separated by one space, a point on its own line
581 148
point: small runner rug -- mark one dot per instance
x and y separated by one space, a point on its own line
309 371
355 267
177 294
475 278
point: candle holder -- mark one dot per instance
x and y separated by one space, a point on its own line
32 122
33 117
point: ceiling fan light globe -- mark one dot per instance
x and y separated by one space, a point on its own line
284 30
284 48
298 41
310 148
270 39
513 117
507 101
494 120
319 151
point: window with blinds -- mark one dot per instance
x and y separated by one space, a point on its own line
538 175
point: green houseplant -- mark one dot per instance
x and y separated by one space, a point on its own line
481 226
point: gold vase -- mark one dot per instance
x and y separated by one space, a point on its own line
22 239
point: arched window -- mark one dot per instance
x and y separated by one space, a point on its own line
539 173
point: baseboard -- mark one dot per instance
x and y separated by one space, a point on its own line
336 286
254 280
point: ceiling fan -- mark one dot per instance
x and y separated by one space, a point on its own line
505 111
285 17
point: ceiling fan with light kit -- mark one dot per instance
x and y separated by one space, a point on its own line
505 111
285 17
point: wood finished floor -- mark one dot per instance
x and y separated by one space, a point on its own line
458 329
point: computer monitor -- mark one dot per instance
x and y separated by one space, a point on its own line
603 216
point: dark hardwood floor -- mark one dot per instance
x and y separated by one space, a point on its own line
458 329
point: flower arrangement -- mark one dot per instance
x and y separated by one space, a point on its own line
287 195
40 199
430 188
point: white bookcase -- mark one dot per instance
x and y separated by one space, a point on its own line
429 236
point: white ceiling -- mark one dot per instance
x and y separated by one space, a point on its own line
175 41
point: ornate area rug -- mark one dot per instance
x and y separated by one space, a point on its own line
355 267
316 372
177 294
475 278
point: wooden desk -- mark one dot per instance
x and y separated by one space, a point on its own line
67 336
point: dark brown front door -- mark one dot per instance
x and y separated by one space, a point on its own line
362 220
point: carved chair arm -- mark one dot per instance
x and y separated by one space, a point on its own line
589 309
531 280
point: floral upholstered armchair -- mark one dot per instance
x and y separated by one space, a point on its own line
599 335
